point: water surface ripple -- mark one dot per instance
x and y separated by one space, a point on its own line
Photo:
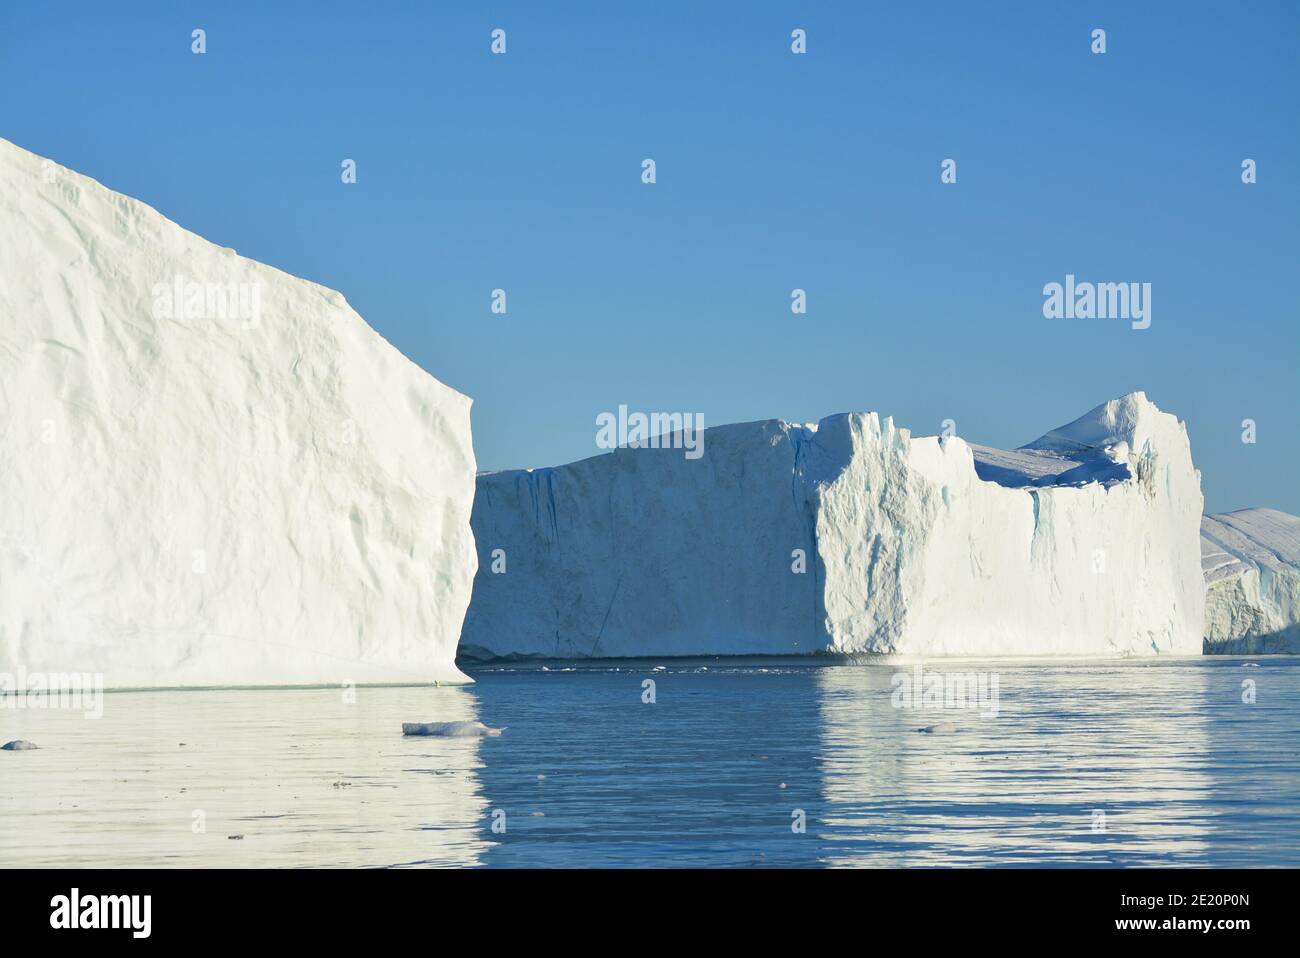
1128 763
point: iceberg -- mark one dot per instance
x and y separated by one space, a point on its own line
1251 560
849 536
213 473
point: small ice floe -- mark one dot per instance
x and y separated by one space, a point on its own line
940 728
1250 665
449 729
18 745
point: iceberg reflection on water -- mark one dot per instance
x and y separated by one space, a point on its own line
1117 763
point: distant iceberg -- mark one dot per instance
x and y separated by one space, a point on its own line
850 536
1252 581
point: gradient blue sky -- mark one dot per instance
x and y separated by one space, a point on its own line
775 171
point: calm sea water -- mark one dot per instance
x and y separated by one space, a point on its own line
714 773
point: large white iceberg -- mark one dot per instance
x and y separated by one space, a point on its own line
1252 581
850 536
211 472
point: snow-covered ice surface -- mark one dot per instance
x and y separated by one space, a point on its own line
1084 542
269 496
1251 560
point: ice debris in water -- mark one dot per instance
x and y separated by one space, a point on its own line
449 729
942 728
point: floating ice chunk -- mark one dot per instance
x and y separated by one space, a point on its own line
18 745
940 728
449 729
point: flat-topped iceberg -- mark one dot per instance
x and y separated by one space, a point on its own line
1252 581
211 472
850 536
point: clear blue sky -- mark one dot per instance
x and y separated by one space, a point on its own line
775 171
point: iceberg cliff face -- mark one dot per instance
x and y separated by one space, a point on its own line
1085 542
1252 581
642 551
211 472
